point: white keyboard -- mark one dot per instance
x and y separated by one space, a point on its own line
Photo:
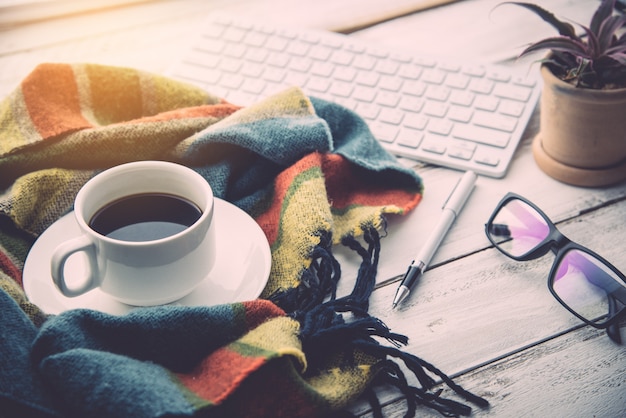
453 114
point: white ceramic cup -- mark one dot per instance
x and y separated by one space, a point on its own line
141 273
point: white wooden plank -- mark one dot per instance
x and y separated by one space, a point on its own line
579 374
493 304
486 306
474 30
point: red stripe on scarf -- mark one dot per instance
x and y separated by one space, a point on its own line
10 269
269 220
222 371
259 311
348 185
220 374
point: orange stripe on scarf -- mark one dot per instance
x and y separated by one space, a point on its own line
283 182
52 100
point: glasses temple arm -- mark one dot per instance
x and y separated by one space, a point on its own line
613 329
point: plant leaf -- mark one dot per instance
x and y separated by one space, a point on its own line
564 28
593 44
607 30
619 57
601 14
616 49
560 43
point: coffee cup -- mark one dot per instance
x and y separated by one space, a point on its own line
145 234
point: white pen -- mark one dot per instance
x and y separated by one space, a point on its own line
451 209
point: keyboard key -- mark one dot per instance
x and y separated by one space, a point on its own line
296 79
341 88
463 98
253 85
410 138
274 74
318 84
367 78
438 93
364 62
481 135
436 109
390 83
457 81
255 39
481 85
488 103
385 132
234 34
498 76
415 121
434 145
257 55
414 88
323 69
433 76
440 126
277 44
511 108
342 57
475 70
301 64
460 114
368 110
299 49
460 152
387 67
411 104
388 99
447 112
278 60
345 73
410 72
487 159
393 116
364 94
524 81
518 93
495 121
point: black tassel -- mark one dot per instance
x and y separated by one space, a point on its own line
317 283
321 315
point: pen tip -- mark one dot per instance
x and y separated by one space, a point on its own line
393 305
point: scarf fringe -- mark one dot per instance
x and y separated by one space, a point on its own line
323 323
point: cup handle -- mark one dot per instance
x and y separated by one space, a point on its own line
60 257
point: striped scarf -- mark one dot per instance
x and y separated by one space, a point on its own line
308 171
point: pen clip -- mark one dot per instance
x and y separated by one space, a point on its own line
451 193
460 192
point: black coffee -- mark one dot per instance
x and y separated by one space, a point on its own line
145 217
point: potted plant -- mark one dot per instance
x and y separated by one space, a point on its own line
582 136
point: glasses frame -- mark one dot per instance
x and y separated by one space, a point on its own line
560 245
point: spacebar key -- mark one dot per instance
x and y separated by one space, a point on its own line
481 135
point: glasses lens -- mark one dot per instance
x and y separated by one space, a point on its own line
588 286
517 228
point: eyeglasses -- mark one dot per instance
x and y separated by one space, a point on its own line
582 281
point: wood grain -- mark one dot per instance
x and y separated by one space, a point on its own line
477 315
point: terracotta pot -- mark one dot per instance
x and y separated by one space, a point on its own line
582 138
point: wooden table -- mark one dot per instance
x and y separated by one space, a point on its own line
488 321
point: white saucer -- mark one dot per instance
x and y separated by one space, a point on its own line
241 271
